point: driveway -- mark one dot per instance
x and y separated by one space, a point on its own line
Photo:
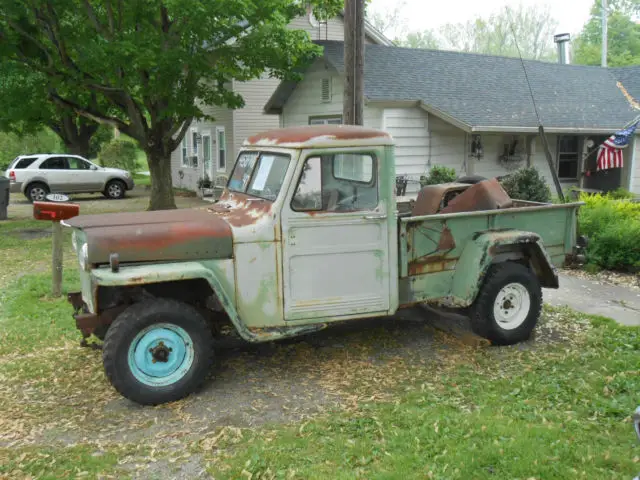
622 304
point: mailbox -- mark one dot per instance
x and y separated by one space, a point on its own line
55 211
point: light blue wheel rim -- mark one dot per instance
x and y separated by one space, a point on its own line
161 355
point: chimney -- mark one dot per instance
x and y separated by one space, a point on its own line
563 39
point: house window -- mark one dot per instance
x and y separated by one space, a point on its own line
568 156
194 148
185 153
326 120
222 149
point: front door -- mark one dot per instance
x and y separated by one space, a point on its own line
335 240
82 178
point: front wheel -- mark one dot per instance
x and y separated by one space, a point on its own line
508 306
115 189
158 351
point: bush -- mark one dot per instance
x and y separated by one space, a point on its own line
438 174
613 228
621 194
527 184
119 154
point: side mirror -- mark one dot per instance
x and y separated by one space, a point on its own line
93 167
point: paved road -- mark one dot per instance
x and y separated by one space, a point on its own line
619 303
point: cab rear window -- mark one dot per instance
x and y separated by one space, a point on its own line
23 163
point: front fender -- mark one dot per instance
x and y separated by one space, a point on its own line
219 274
487 248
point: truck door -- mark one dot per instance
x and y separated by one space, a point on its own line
335 236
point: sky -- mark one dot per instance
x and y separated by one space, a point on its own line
424 14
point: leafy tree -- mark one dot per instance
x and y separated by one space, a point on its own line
623 37
533 28
155 64
27 106
425 39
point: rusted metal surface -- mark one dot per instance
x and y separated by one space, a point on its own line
430 198
156 236
241 210
485 195
318 135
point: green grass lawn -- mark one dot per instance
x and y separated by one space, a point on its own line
557 407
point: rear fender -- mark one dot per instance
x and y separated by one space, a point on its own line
487 248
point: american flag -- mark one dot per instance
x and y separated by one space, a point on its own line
610 152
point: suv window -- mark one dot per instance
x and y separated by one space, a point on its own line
78 164
345 182
23 163
55 163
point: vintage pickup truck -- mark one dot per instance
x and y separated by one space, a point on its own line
307 232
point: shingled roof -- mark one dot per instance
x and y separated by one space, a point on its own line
630 79
484 92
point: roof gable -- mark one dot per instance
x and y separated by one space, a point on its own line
486 91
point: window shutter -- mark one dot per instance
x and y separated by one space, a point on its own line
326 90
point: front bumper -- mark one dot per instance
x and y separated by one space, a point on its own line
87 322
130 183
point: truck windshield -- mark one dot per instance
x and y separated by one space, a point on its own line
259 174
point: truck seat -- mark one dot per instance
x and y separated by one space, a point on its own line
484 195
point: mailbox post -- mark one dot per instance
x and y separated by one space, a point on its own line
56 210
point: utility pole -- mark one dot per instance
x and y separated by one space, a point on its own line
353 97
605 39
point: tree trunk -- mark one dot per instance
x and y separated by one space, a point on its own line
161 182
78 146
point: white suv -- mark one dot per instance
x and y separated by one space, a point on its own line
37 175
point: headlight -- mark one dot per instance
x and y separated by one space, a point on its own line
127 174
83 257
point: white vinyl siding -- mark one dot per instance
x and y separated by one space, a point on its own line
409 128
634 162
306 100
447 146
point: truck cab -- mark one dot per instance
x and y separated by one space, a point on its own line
306 233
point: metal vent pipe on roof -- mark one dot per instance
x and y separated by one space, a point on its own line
562 40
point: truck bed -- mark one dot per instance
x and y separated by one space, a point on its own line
430 246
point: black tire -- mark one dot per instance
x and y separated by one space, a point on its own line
134 320
115 189
519 328
36 192
471 179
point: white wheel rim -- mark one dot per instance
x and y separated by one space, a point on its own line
512 306
114 190
38 194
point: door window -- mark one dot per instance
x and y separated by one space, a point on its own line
206 153
78 164
55 163
343 182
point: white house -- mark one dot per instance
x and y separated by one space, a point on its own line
474 112
210 147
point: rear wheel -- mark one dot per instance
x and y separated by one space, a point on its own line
115 189
37 192
158 351
508 306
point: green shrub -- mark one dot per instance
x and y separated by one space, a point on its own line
527 184
119 154
620 194
438 174
613 228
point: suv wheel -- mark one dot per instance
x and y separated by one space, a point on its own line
158 351
115 189
36 192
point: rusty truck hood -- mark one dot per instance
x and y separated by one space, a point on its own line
165 235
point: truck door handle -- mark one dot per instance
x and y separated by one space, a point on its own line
375 217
